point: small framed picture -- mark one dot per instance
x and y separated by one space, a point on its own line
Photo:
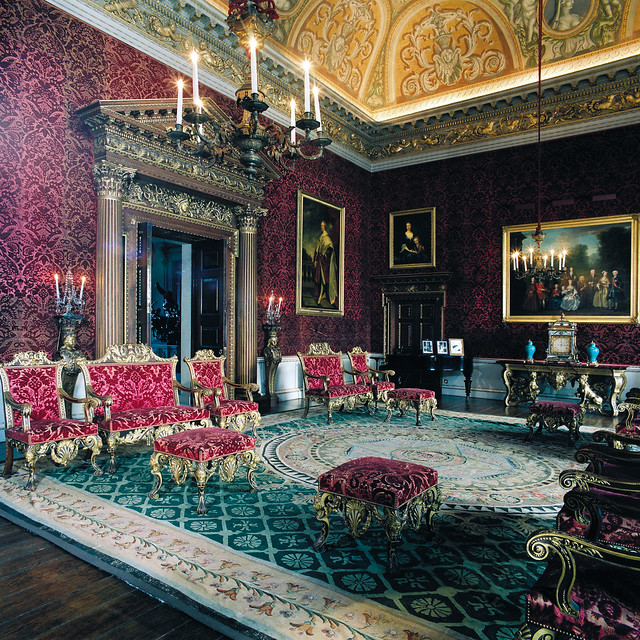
456 347
442 347
427 347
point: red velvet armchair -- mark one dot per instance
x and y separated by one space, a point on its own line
323 376
36 418
138 394
212 393
364 374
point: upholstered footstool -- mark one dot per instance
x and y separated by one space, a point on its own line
420 399
553 414
199 453
391 492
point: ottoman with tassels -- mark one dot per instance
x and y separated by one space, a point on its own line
391 492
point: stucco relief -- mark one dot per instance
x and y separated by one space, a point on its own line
446 47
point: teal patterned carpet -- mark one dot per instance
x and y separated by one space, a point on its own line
470 580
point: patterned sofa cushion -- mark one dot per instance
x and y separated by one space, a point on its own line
340 390
388 483
383 385
360 363
204 444
231 408
37 386
53 431
324 366
412 394
209 374
154 417
556 408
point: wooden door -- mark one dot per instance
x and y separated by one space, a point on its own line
143 283
207 295
415 320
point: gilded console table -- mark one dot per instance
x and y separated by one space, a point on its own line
598 386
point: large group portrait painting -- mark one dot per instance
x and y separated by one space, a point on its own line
598 278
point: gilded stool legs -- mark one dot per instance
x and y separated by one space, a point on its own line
553 422
421 406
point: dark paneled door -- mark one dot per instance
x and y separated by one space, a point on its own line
208 295
416 320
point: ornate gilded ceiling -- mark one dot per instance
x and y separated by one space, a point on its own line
407 81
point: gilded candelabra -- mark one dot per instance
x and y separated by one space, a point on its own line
69 313
272 352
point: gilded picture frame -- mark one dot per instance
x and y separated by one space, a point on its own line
600 280
412 238
319 257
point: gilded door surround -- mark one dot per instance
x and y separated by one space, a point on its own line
406 81
142 178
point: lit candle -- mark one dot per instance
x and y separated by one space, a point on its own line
515 261
194 61
552 252
180 99
82 287
270 304
307 91
545 260
199 110
531 256
564 259
254 65
293 121
316 104
279 305
57 286
524 261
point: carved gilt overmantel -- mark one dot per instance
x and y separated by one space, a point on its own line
141 178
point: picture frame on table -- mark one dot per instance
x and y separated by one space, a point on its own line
427 347
412 238
442 347
319 257
456 347
601 261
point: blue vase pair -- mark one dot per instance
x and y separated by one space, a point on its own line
592 352
529 350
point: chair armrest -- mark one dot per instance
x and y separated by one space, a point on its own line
103 401
357 372
596 454
567 548
632 410
325 379
90 404
199 391
585 480
248 387
24 407
615 440
387 373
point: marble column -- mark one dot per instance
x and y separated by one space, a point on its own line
247 294
111 180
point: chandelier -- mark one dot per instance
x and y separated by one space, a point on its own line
534 261
252 21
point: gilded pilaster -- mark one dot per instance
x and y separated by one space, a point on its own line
247 307
110 304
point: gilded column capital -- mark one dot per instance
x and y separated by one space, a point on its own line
111 179
248 217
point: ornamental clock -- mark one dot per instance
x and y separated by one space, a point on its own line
562 341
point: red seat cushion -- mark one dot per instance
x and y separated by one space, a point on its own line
556 408
388 483
341 390
411 394
231 408
383 385
160 416
53 431
204 444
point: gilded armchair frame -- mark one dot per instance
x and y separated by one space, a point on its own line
379 395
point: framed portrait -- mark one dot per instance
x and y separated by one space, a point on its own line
427 347
319 257
443 347
597 280
412 239
456 347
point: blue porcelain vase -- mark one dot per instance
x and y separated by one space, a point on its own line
530 349
592 352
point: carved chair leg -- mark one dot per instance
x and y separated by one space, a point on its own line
31 456
251 459
94 446
201 478
323 511
8 464
432 404
418 406
306 408
157 463
112 445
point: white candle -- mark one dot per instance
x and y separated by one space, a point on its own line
57 286
292 121
307 91
270 304
564 259
524 260
531 256
254 65
552 252
194 61
180 100
82 287
545 260
279 305
316 104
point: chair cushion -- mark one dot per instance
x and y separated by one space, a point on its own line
323 366
383 385
632 429
231 408
609 605
411 394
53 431
360 362
134 386
37 386
209 373
340 391
204 444
556 408
388 483
142 418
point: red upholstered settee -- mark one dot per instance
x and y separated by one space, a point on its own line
324 382
138 392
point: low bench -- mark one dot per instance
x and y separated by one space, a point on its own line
553 414
138 393
391 492
422 400
324 382
200 453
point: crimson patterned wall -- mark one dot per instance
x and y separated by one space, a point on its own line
475 196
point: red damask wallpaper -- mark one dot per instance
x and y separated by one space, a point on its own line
51 64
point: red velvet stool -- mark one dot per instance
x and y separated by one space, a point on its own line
199 453
553 414
420 399
391 492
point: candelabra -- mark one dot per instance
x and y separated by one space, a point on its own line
69 313
272 352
